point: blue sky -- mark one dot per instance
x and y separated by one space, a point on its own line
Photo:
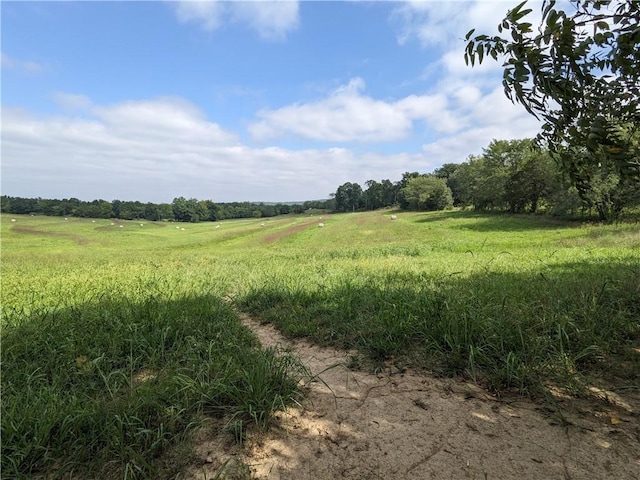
235 101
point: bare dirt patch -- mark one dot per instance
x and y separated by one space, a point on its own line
406 425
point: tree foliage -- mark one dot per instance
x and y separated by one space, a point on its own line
579 73
427 192
509 175
348 197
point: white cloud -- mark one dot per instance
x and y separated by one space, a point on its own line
29 67
165 119
155 150
158 149
429 22
439 23
476 106
206 13
346 115
272 20
490 117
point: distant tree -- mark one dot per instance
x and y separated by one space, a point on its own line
190 210
209 210
389 192
530 181
406 176
348 197
447 172
319 205
492 172
152 212
297 209
283 209
20 205
165 211
465 179
268 210
564 199
427 192
131 210
373 196
510 174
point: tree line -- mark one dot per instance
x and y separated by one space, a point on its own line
508 176
180 210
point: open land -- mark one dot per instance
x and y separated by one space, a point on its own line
437 345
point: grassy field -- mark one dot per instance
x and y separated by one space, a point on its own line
119 338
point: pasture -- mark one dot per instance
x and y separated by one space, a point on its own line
119 339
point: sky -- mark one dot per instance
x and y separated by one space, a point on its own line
242 101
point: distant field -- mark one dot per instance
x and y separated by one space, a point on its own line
128 320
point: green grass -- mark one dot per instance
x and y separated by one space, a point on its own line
116 342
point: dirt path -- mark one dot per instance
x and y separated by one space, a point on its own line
411 426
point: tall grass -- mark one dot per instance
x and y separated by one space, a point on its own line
116 342
109 388
512 330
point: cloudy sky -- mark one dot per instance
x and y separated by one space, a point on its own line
235 101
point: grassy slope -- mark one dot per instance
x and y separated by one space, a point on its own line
517 302
115 346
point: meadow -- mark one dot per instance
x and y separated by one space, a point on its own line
119 339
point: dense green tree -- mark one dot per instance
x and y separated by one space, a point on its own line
19 205
210 210
510 174
348 197
130 210
158 211
389 192
427 192
190 210
373 196
317 205
465 179
95 209
447 172
579 73
406 176
530 182
492 170
284 209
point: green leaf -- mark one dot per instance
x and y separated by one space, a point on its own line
547 6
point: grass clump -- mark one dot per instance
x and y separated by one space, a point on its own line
509 330
108 388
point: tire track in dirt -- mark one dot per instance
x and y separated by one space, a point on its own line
408 425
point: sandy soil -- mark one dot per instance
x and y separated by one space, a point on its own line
394 425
